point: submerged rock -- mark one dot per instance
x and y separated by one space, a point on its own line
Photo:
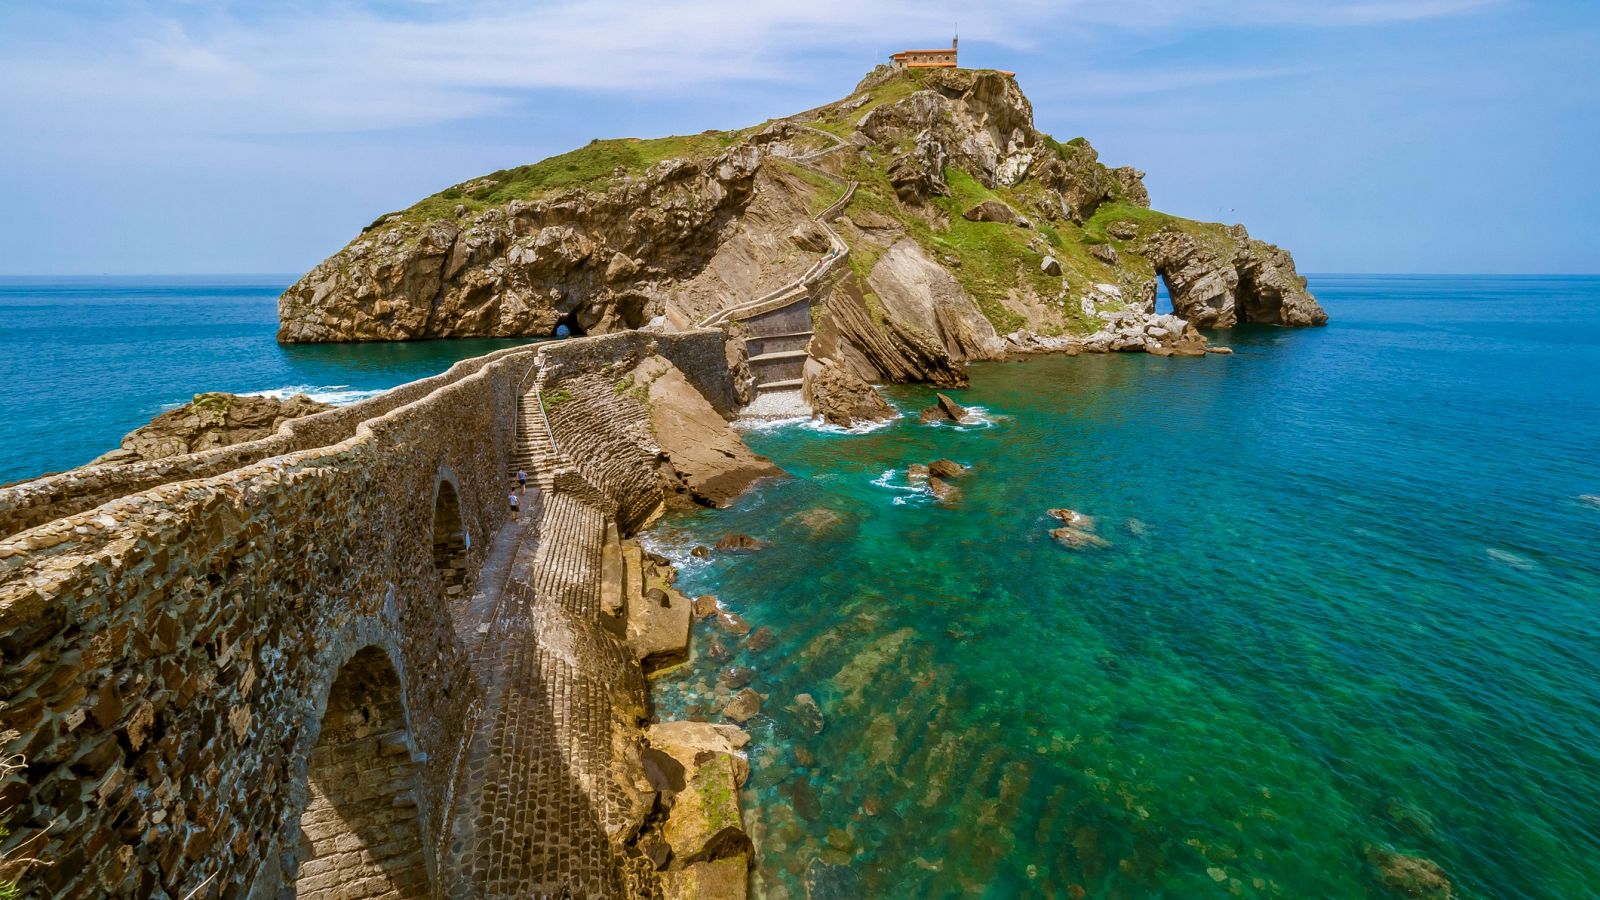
1409 876
738 542
762 639
1076 539
1590 500
807 713
818 520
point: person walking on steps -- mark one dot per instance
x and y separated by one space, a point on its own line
522 480
513 498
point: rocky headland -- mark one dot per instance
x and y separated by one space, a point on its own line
969 235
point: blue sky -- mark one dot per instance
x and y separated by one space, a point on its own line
203 136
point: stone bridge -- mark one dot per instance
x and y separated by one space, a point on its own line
329 663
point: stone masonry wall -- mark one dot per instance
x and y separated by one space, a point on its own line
26 504
165 657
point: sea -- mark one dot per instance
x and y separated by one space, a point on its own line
1347 605
83 361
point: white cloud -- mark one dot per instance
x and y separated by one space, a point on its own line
211 68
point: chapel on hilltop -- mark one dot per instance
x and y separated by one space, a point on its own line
943 58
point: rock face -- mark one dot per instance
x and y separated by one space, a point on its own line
207 421
1230 281
525 266
706 457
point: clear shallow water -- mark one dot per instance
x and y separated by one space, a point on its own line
1351 598
83 361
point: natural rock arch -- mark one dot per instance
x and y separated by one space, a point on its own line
361 833
450 539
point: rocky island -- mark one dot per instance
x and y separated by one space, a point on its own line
947 229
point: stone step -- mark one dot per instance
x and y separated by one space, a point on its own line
788 384
779 355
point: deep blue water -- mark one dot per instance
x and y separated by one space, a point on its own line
1351 600
83 361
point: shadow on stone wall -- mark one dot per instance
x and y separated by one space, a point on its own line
360 834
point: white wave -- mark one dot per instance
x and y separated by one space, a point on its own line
977 417
858 428
910 493
337 394
755 424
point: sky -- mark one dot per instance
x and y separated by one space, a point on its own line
211 136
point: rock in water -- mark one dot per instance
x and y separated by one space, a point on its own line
1075 539
207 422
1073 518
1409 876
1590 500
705 606
944 491
841 398
736 542
744 706
733 623
954 410
946 468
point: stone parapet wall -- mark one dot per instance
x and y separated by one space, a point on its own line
164 657
30 503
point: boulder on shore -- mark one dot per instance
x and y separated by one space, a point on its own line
702 768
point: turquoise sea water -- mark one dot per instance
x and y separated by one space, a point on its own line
83 361
1351 599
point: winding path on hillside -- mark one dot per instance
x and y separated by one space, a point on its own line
777 324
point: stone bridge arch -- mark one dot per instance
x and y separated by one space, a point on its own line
361 831
452 540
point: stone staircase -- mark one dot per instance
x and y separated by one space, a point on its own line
535 451
777 325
